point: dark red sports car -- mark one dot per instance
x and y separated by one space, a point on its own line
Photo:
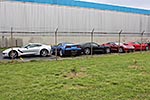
139 46
122 48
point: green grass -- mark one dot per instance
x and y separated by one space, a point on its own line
110 77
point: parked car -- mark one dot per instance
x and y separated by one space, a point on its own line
66 49
29 49
139 46
87 47
115 47
148 44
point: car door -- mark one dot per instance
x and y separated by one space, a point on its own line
143 46
137 45
96 48
31 49
114 47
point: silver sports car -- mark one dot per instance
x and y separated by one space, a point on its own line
30 49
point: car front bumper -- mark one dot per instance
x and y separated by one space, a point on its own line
5 54
128 49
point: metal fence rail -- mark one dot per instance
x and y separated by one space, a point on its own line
68 36
13 38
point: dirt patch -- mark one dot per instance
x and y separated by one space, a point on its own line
76 87
83 69
136 67
72 75
144 73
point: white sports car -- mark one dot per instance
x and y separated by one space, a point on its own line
30 49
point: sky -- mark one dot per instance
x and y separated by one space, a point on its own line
142 4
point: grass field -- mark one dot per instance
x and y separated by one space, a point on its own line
109 77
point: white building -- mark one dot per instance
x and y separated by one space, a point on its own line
71 16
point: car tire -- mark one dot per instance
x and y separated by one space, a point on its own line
52 52
107 50
13 54
87 51
120 50
61 53
44 53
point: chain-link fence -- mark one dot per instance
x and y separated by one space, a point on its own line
22 37
15 37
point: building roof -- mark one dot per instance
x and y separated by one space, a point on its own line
91 5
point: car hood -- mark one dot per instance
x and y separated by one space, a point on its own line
104 46
8 50
128 46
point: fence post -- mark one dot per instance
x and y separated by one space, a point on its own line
92 41
11 33
141 41
3 40
56 31
119 40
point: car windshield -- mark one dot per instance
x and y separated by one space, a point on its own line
25 46
111 43
64 43
118 43
137 42
67 43
94 44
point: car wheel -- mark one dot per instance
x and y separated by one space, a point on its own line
87 51
13 54
52 52
107 50
61 53
44 53
147 48
120 50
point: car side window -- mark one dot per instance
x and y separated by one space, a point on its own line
27 46
31 46
34 45
38 45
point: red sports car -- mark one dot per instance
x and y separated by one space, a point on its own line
122 48
139 46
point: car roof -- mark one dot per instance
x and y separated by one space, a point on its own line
66 43
36 43
89 42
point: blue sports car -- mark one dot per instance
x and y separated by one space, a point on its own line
66 49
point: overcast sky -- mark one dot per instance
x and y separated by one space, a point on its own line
144 4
